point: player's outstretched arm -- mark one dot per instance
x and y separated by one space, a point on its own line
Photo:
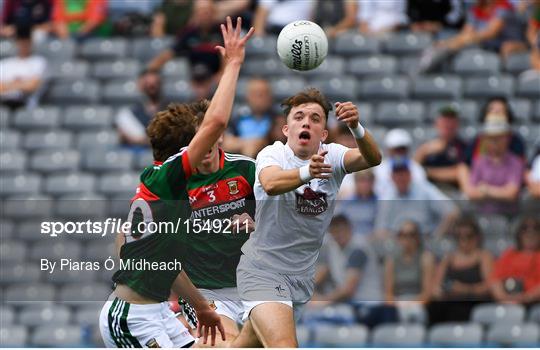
367 154
218 113
276 181
208 319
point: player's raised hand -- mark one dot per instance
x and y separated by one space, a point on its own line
233 49
208 321
347 113
317 168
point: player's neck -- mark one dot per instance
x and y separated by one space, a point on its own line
210 167
302 154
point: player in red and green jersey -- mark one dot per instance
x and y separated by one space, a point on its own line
138 314
223 206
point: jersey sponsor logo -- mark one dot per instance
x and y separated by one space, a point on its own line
311 203
218 209
233 187
212 304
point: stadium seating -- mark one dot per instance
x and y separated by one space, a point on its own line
489 314
398 335
456 335
514 335
67 150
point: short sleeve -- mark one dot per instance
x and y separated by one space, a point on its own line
535 169
171 179
336 157
357 260
269 156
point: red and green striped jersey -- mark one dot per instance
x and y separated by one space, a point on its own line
212 255
160 198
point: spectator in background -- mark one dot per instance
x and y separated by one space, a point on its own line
419 201
131 122
171 17
516 276
361 206
496 106
203 82
78 18
197 41
272 15
248 131
489 24
348 272
398 143
276 130
23 75
26 13
336 17
440 157
431 16
462 277
409 274
379 17
496 176
533 176
242 8
533 34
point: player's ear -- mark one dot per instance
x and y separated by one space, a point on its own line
324 135
285 130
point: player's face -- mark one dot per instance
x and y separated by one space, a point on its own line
305 129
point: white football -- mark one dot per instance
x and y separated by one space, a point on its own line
302 45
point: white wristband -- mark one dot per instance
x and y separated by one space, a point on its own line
305 175
358 132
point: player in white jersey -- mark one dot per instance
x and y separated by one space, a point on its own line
295 187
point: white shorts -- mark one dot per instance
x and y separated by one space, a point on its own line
125 325
259 286
226 302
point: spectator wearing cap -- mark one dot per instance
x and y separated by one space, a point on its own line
197 41
412 200
22 75
516 276
533 176
248 132
398 143
440 157
131 122
497 105
496 176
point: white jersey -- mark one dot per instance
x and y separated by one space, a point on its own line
290 227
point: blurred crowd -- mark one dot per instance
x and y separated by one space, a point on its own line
416 196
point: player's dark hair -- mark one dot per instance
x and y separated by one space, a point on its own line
310 95
174 128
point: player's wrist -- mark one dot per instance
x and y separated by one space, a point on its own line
358 132
305 174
